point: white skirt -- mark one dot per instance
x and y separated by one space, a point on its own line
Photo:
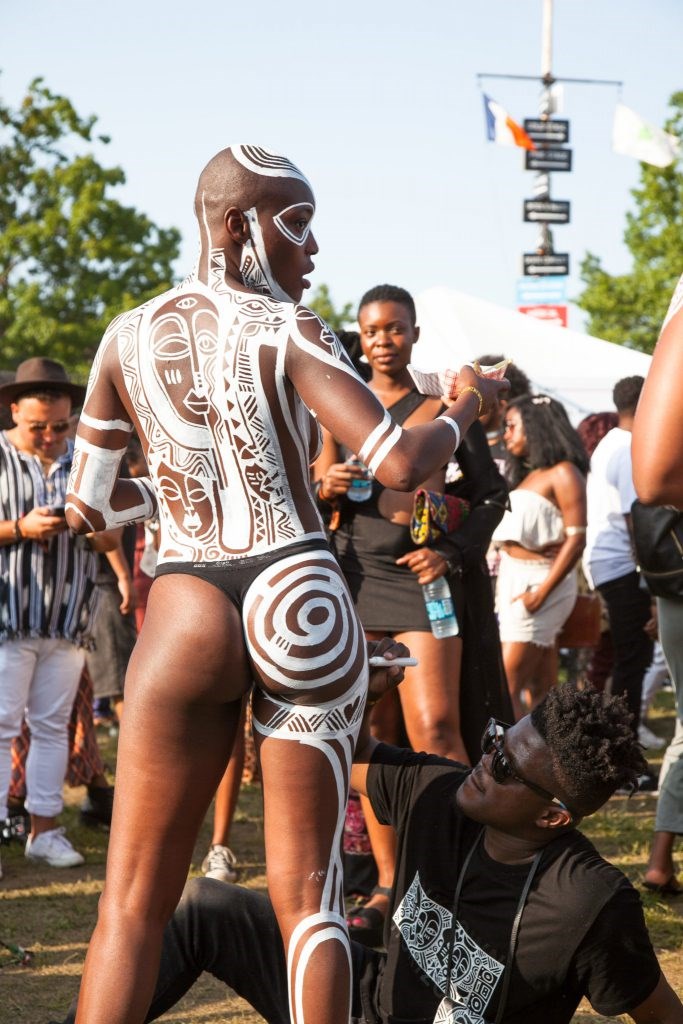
517 625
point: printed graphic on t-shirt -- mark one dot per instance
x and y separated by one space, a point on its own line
426 929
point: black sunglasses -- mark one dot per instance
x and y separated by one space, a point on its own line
492 740
57 428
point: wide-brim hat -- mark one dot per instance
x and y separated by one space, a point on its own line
39 374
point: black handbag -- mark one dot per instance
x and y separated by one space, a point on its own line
658 539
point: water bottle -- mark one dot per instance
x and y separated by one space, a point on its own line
361 487
439 605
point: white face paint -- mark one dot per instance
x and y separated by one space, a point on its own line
254 264
298 237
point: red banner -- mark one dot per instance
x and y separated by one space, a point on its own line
550 314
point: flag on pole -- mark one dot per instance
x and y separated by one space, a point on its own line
502 129
631 136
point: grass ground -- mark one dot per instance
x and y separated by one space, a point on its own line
52 913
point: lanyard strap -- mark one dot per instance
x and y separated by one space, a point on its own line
514 933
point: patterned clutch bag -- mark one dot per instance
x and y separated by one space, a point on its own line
435 514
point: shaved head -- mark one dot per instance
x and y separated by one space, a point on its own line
241 176
253 189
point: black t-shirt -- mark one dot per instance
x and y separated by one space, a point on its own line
582 931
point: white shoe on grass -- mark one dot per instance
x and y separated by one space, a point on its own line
221 863
648 739
54 848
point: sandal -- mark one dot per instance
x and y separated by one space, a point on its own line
366 924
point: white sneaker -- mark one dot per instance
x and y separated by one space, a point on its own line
649 739
221 863
54 848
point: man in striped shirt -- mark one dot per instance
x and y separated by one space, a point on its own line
47 595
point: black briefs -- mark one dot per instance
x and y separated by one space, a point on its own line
234 576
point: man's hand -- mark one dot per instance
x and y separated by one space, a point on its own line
651 627
382 680
39 524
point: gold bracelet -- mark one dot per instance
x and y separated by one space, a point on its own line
18 535
475 391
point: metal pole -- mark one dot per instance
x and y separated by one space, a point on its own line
544 242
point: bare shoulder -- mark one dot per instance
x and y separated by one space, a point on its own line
567 474
311 327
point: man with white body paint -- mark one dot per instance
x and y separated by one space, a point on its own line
223 378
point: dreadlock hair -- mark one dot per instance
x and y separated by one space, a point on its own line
592 747
519 382
550 438
390 293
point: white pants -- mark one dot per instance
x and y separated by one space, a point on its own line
39 678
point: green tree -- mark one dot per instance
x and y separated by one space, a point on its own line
322 304
629 308
71 255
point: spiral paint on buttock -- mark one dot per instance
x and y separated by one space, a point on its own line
302 629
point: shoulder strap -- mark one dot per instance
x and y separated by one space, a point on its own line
401 410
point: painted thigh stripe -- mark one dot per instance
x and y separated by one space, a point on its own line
332 720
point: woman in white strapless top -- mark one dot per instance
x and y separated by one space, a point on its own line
541 539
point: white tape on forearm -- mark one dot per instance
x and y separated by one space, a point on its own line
98 476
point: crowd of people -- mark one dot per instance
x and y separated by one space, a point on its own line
297 497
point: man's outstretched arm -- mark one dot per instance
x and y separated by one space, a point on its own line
662 1007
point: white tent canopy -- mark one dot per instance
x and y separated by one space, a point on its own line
575 368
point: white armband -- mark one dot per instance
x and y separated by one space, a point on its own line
454 427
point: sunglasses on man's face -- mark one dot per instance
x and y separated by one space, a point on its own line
492 741
56 428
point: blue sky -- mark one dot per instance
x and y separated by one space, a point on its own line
378 102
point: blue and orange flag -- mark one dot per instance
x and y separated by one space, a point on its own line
500 127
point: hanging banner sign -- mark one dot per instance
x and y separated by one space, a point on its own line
544 290
548 264
548 158
556 315
547 131
546 211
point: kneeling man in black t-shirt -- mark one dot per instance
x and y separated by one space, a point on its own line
501 910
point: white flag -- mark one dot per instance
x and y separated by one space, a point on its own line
634 137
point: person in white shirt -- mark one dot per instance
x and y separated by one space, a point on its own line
609 558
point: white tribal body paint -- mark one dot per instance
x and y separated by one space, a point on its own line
304 637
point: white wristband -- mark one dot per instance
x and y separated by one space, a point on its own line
454 426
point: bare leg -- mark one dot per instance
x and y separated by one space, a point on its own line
310 667
181 715
524 668
660 868
228 791
430 695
